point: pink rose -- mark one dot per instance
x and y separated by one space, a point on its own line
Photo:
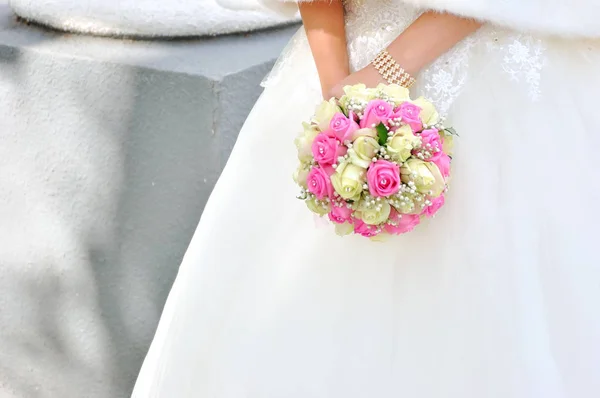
377 111
340 215
431 140
383 178
434 206
404 223
409 113
343 127
319 184
364 229
326 149
442 161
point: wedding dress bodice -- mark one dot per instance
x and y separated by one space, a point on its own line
371 25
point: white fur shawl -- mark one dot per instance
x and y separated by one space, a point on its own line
560 17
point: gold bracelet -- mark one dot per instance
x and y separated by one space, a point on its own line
391 71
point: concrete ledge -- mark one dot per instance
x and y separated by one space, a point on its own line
108 152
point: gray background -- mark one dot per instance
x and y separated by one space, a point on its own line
108 152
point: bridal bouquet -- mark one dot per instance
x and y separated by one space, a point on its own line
375 162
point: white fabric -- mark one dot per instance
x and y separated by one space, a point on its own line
150 18
494 298
573 17
284 7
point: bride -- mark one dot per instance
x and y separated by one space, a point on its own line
497 297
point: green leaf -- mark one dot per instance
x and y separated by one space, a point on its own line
382 133
450 131
345 111
342 107
302 195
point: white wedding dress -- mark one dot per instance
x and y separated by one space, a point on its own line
496 297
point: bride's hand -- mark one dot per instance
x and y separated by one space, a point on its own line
368 76
431 35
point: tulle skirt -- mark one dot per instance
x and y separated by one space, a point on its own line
495 297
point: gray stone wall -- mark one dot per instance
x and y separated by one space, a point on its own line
108 152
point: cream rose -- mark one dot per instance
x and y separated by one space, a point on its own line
429 115
359 91
344 229
396 93
448 144
348 180
406 204
363 150
425 175
300 176
402 143
366 132
376 214
325 113
304 142
318 207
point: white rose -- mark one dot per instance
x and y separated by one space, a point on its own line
301 175
394 92
401 144
318 207
344 229
429 115
376 214
363 150
348 180
304 142
325 112
357 92
425 175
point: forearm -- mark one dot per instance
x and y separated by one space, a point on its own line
324 24
427 38
430 36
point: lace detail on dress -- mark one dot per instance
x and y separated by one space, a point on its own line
443 80
371 25
522 58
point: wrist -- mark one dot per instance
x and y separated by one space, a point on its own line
391 70
406 58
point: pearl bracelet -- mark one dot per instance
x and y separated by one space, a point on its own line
391 71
